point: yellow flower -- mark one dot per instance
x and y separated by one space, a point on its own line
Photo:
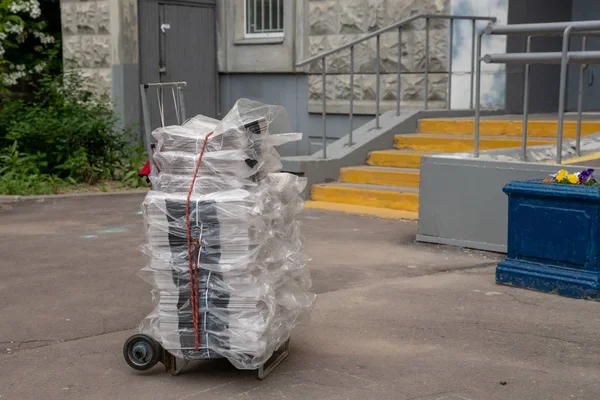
573 178
562 174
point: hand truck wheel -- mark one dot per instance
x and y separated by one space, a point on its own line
141 352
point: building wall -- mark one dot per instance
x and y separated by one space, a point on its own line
87 42
290 91
100 39
237 54
333 23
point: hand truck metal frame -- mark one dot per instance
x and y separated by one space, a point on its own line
142 352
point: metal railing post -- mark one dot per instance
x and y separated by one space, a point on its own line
351 114
324 111
526 104
562 90
473 63
477 97
451 34
147 127
377 84
580 100
399 83
426 78
182 104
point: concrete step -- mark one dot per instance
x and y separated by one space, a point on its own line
396 158
386 213
386 176
395 198
496 127
459 143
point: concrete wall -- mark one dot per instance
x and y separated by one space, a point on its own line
100 39
290 91
462 203
238 54
87 41
333 23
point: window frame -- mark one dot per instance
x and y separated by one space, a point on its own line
263 35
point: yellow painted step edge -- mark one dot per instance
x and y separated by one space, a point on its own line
450 143
380 177
505 127
385 158
385 213
403 201
589 157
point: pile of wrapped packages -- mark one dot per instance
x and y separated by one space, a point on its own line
225 250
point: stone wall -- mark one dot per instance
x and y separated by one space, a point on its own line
87 42
336 22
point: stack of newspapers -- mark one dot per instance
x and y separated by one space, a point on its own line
224 247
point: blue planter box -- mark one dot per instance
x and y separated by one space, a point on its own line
553 239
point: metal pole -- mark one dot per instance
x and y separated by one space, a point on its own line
426 63
399 83
580 101
255 18
270 15
478 96
473 62
451 33
562 90
262 15
351 94
377 85
526 104
324 111
147 127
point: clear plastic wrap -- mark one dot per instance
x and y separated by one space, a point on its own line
224 248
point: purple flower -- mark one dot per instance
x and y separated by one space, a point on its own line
586 175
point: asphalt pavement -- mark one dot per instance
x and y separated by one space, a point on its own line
394 319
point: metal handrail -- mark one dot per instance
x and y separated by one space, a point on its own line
387 29
377 34
573 57
564 58
544 29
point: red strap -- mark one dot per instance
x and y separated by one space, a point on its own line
192 254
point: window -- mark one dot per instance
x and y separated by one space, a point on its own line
264 18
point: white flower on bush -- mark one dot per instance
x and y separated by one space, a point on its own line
10 27
11 78
39 67
32 7
45 39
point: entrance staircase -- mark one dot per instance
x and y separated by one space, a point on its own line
388 185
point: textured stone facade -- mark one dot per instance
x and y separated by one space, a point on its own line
87 41
336 22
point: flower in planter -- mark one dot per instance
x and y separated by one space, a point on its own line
561 175
573 179
585 177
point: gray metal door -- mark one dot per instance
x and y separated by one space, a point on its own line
585 10
178 43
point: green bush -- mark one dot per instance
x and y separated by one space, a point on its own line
63 136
